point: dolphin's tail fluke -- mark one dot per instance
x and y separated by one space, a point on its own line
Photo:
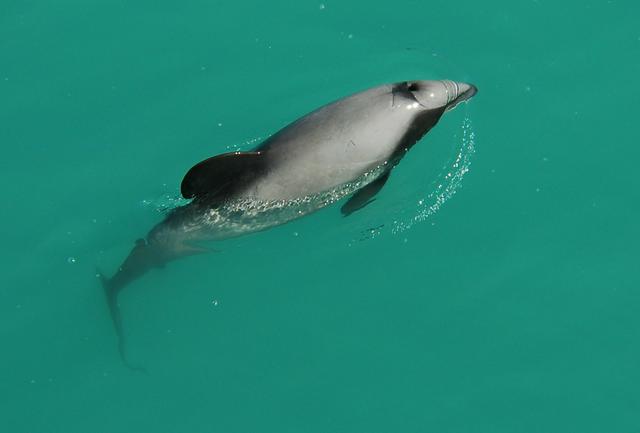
111 293
143 257
140 260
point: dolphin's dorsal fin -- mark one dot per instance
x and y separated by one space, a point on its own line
218 177
365 195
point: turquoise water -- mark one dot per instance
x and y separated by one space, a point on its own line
491 287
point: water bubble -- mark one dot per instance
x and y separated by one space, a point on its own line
71 260
214 302
322 6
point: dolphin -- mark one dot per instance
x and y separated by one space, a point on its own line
346 148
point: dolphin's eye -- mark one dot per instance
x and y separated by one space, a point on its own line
412 87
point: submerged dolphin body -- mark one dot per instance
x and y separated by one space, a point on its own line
347 147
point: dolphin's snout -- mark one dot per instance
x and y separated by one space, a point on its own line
467 90
458 92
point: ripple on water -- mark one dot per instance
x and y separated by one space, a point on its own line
447 183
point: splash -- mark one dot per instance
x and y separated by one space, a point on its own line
238 216
448 183
165 202
250 144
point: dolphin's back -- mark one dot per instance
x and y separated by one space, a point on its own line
331 146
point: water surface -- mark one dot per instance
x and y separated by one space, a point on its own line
510 307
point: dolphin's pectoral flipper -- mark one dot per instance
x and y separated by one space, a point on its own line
220 176
364 196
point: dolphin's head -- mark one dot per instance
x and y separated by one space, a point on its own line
434 95
425 102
